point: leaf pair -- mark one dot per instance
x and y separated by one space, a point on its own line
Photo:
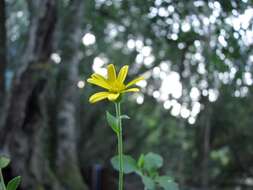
148 162
147 168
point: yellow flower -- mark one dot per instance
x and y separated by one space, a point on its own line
113 84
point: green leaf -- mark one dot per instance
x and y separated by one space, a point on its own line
129 164
140 162
14 183
4 162
152 161
148 182
167 183
112 121
124 117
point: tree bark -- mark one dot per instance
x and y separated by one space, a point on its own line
206 154
3 60
3 51
25 121
203 140
67 163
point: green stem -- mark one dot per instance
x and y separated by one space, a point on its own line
2 185
120 147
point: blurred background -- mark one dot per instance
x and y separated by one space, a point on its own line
195 107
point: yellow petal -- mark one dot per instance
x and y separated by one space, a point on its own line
111 73
99 82
98 96
132 90
98 76
113 96
134 81
122 74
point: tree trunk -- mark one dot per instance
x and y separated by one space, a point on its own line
206 153
67 163
203 139
25 120
3 59
3 52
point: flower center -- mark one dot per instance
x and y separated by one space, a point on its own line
117 87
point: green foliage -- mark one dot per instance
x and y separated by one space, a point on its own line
148 182
147 168
12 184
129 166
113 122
152 161
167 183
4 162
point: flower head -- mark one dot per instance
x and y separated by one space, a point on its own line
114 84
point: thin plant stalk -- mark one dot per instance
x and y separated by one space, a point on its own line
120 146
2 185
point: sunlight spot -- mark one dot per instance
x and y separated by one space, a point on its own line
186 27
156 94
139 44
175 26
156 72
163 75
88 39
142 84
153 12
139 58
213 95
191 120
237 93
195 108
165 66
167 104
206 21
149 60
174 36
222 41
247 77
171 85
98 64
205 92
81 84
140 99
146 51
20 14
131 44
171 9
181 45
55 57
162 12
197 43
185 113
198 3
244 91
176 107
194 94
198 56
158 2
201 68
